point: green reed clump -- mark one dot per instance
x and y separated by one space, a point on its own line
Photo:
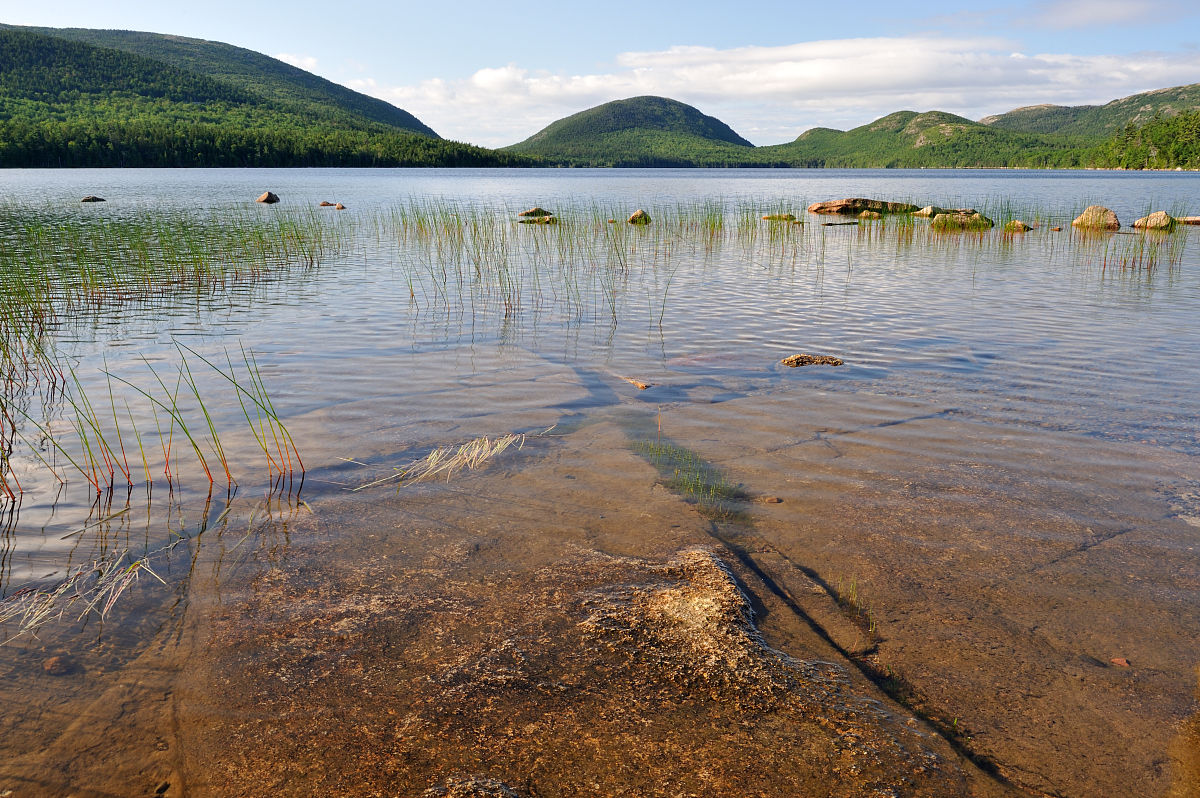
54 265
691 476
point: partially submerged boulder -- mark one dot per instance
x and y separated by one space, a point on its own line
639 217
856 205
1017 226
325 204
1187 219
339 207
536 213
811 360
870 215
930 211
779 217
539 220
1097 217
93 198
959 220
1159 220
268 198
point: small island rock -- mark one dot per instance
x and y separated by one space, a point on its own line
802 359
536 213
1097 217
639 217
856 205
268 197
339 207
1017 226
326 204
1159 220
93 198
961 220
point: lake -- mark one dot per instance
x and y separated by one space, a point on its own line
564 523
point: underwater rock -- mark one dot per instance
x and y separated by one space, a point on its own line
856 205
870 215
539 220
1097 217
471 787
268 198
1017 226
639 217
811 360
60 665
1159 220
779 217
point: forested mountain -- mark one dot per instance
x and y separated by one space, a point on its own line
1100 121
931 139
270 79
640 131
69 103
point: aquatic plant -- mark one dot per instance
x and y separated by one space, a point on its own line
446 461
689 475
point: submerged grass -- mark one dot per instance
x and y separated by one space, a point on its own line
694 478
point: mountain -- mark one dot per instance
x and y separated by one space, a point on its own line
1100 121
907 139
67 102
259 75
640 131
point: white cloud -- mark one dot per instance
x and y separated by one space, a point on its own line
305 62
771 94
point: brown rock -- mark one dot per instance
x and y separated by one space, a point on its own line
59 665
1188 219
339 207
539 220
536 213
1120 662
779 217
772 500
93 198
870 215
639 217
1056 229
811 360
325 204
856 205
268 198
1159 220
1017 226
1097 217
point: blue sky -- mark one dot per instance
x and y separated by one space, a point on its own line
493 73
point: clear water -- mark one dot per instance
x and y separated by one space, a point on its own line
1038 371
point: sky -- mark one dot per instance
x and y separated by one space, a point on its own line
494 73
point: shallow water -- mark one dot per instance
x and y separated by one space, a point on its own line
1004 467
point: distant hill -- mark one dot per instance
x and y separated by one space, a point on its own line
640 131
288 87
930 139
66 102
1100 121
